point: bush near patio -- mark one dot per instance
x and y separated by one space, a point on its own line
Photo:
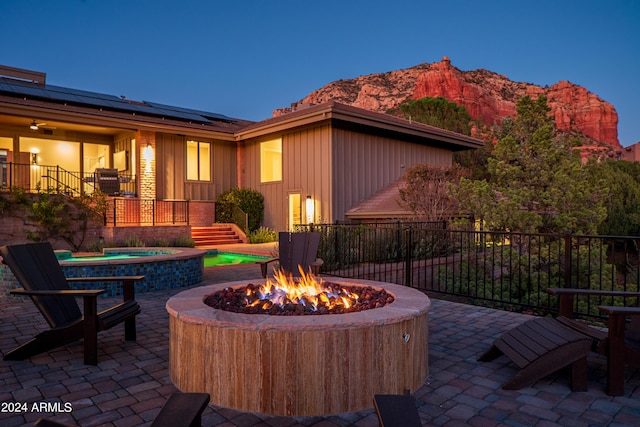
250 201
51 216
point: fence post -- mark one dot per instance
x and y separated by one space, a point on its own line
567 260
399 241
153 212
407 267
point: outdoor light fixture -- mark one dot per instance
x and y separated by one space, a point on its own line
147 154
34 158
33 125
310 209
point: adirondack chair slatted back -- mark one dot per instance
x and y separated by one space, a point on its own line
36 267
297 249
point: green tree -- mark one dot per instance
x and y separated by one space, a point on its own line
476 161
438 112
623 199
537 182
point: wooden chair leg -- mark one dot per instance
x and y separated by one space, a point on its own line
616 355
130 329
90 330
579 375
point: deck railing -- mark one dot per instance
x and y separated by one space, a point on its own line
132 211
498 269
34 177
120 211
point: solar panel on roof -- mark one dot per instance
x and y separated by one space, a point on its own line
205 114
111 102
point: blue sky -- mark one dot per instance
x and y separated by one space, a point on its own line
245 58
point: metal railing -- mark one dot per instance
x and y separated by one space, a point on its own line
130 211
497 269
240 218
119 211
33 177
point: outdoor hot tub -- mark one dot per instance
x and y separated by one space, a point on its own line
163 268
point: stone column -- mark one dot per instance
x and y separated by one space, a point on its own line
146 147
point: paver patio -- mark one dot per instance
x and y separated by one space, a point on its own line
131 381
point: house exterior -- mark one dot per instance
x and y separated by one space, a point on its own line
311 165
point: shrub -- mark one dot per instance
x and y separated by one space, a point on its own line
161 243
263 235
95 246
250 201
134 242
183 242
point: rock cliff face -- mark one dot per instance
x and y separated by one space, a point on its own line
487 96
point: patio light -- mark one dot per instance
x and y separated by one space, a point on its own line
147 154
310 209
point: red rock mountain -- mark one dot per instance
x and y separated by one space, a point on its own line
486 95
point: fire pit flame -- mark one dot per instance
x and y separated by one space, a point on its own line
307 294
308 291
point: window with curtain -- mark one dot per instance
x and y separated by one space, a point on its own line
198 161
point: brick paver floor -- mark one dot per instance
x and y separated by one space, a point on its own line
131 381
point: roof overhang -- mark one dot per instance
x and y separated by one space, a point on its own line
106 122
364 120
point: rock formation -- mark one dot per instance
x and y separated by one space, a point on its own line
487 96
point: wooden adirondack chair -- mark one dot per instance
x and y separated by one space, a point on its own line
296 249
396 410
542 346
620 343
38 271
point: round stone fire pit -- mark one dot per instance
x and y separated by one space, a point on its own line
299 365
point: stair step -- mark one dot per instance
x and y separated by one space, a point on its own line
219 234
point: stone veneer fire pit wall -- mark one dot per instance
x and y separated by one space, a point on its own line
299 365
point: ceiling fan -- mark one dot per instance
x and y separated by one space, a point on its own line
40 125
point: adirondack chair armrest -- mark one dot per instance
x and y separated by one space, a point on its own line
128 283
264 264
620 311
59 292
597 292
566 295
315 267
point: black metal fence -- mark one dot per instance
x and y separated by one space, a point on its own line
131 211
502 270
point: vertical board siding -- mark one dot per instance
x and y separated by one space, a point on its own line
306 169
170 166
364 164
338 168
172 174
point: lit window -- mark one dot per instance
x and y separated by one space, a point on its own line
198 161
271 160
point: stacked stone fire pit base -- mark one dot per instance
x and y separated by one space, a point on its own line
299 365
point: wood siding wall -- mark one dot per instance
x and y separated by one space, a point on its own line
306 164
338 168
171 169
363 164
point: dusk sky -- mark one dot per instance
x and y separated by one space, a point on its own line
246 58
